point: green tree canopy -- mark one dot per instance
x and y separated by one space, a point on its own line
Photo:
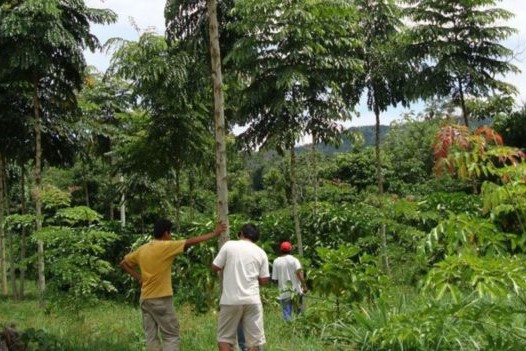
459 47
295 60
42 44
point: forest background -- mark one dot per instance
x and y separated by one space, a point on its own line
412 234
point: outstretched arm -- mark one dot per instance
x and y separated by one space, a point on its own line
220 228
128 268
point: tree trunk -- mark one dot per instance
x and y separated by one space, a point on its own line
12 265
380 180
111 208
23 210
38 190
295 209
3 260
465 116
123 204
85 184
4 198
385 256
191 194
141 212
219 118
463 103
86 193
379 176
315 171
178 199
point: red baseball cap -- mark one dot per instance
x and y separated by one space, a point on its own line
286 246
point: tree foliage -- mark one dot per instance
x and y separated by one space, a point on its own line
297 67
459 48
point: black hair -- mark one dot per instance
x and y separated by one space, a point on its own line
250 231
161 226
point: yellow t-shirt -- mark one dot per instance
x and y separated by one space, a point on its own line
155 262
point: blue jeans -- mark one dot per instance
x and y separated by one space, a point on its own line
287 306
241 339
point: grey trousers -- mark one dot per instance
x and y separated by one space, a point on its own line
161 327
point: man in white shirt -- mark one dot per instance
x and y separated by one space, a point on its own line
245 267
287 271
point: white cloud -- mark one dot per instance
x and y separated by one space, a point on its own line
143 14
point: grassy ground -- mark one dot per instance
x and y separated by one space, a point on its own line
116 327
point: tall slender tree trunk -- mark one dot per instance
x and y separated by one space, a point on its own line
23 210
3 259
219 118
123 203
141 211
9 235
295 208
379 176
38 190
178 199
465 114
314 162
191 193
86 193
111 208
380 181
85 187
12 265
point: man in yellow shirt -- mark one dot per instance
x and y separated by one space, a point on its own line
154 260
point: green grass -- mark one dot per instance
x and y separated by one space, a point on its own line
106 327
116 327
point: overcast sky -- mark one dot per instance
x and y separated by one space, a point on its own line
149 14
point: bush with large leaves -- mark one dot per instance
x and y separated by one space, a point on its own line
78 274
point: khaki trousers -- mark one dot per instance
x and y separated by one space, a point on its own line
250 317
161 327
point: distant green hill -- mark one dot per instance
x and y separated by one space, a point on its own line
368 135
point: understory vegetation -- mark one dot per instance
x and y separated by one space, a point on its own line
118 327
450 273
412 234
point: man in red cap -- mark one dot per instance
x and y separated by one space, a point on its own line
287 271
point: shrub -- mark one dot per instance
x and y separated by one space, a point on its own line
77 274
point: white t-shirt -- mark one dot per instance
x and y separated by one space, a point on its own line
284 270
242 262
